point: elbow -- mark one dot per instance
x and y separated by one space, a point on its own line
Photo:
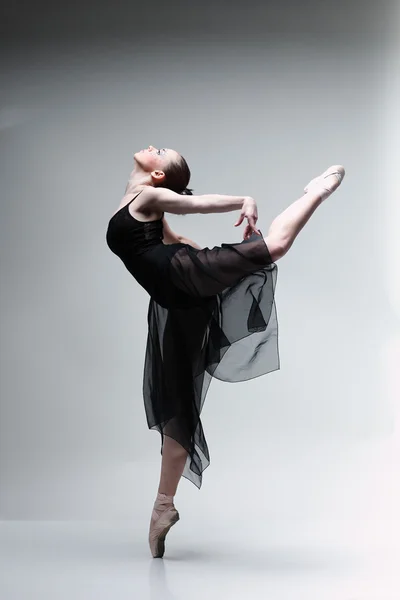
172 239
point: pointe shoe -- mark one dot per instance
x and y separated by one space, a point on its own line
328 182
164 516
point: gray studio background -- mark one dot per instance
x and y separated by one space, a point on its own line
259 98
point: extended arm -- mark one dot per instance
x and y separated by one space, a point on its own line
165 200
178 204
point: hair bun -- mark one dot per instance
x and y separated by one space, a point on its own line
187 192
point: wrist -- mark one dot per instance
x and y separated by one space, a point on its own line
248 200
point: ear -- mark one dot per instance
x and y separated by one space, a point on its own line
157 177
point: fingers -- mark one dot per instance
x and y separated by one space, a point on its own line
249 230
252 222
239 221
250 227
246 233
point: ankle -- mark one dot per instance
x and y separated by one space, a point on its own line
162 503
164 499
317 194
163 495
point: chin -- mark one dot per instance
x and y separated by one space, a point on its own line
138 159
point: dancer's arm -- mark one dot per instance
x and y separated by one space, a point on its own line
178 204
170 237
184 240
165 200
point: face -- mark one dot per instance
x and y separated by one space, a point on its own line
155 159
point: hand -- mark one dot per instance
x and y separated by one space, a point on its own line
249 211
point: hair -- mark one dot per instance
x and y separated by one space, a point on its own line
177 177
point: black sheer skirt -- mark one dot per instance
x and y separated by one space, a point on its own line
219 321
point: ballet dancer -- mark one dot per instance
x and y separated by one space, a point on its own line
203 302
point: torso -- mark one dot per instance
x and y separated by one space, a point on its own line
137 238
132 233
136 208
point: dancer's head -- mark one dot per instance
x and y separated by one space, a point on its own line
165 167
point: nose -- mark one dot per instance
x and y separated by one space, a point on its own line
151 148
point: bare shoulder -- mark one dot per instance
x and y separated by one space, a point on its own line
144 207
159 200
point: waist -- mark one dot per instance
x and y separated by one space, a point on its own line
131 248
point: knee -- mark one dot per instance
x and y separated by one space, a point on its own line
277 246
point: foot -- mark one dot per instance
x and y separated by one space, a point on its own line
326 183
163 517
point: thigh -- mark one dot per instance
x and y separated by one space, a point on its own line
208 272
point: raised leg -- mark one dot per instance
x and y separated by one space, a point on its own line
286 227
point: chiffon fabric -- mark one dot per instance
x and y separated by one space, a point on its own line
211 314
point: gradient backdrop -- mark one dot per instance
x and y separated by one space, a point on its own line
259 98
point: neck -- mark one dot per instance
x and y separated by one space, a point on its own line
138 179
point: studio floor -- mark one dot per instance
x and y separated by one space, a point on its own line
110 560
319 524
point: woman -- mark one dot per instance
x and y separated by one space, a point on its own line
203 302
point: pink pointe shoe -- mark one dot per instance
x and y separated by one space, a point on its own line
326 183
163 517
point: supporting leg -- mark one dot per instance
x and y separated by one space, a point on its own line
172 465
164 513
